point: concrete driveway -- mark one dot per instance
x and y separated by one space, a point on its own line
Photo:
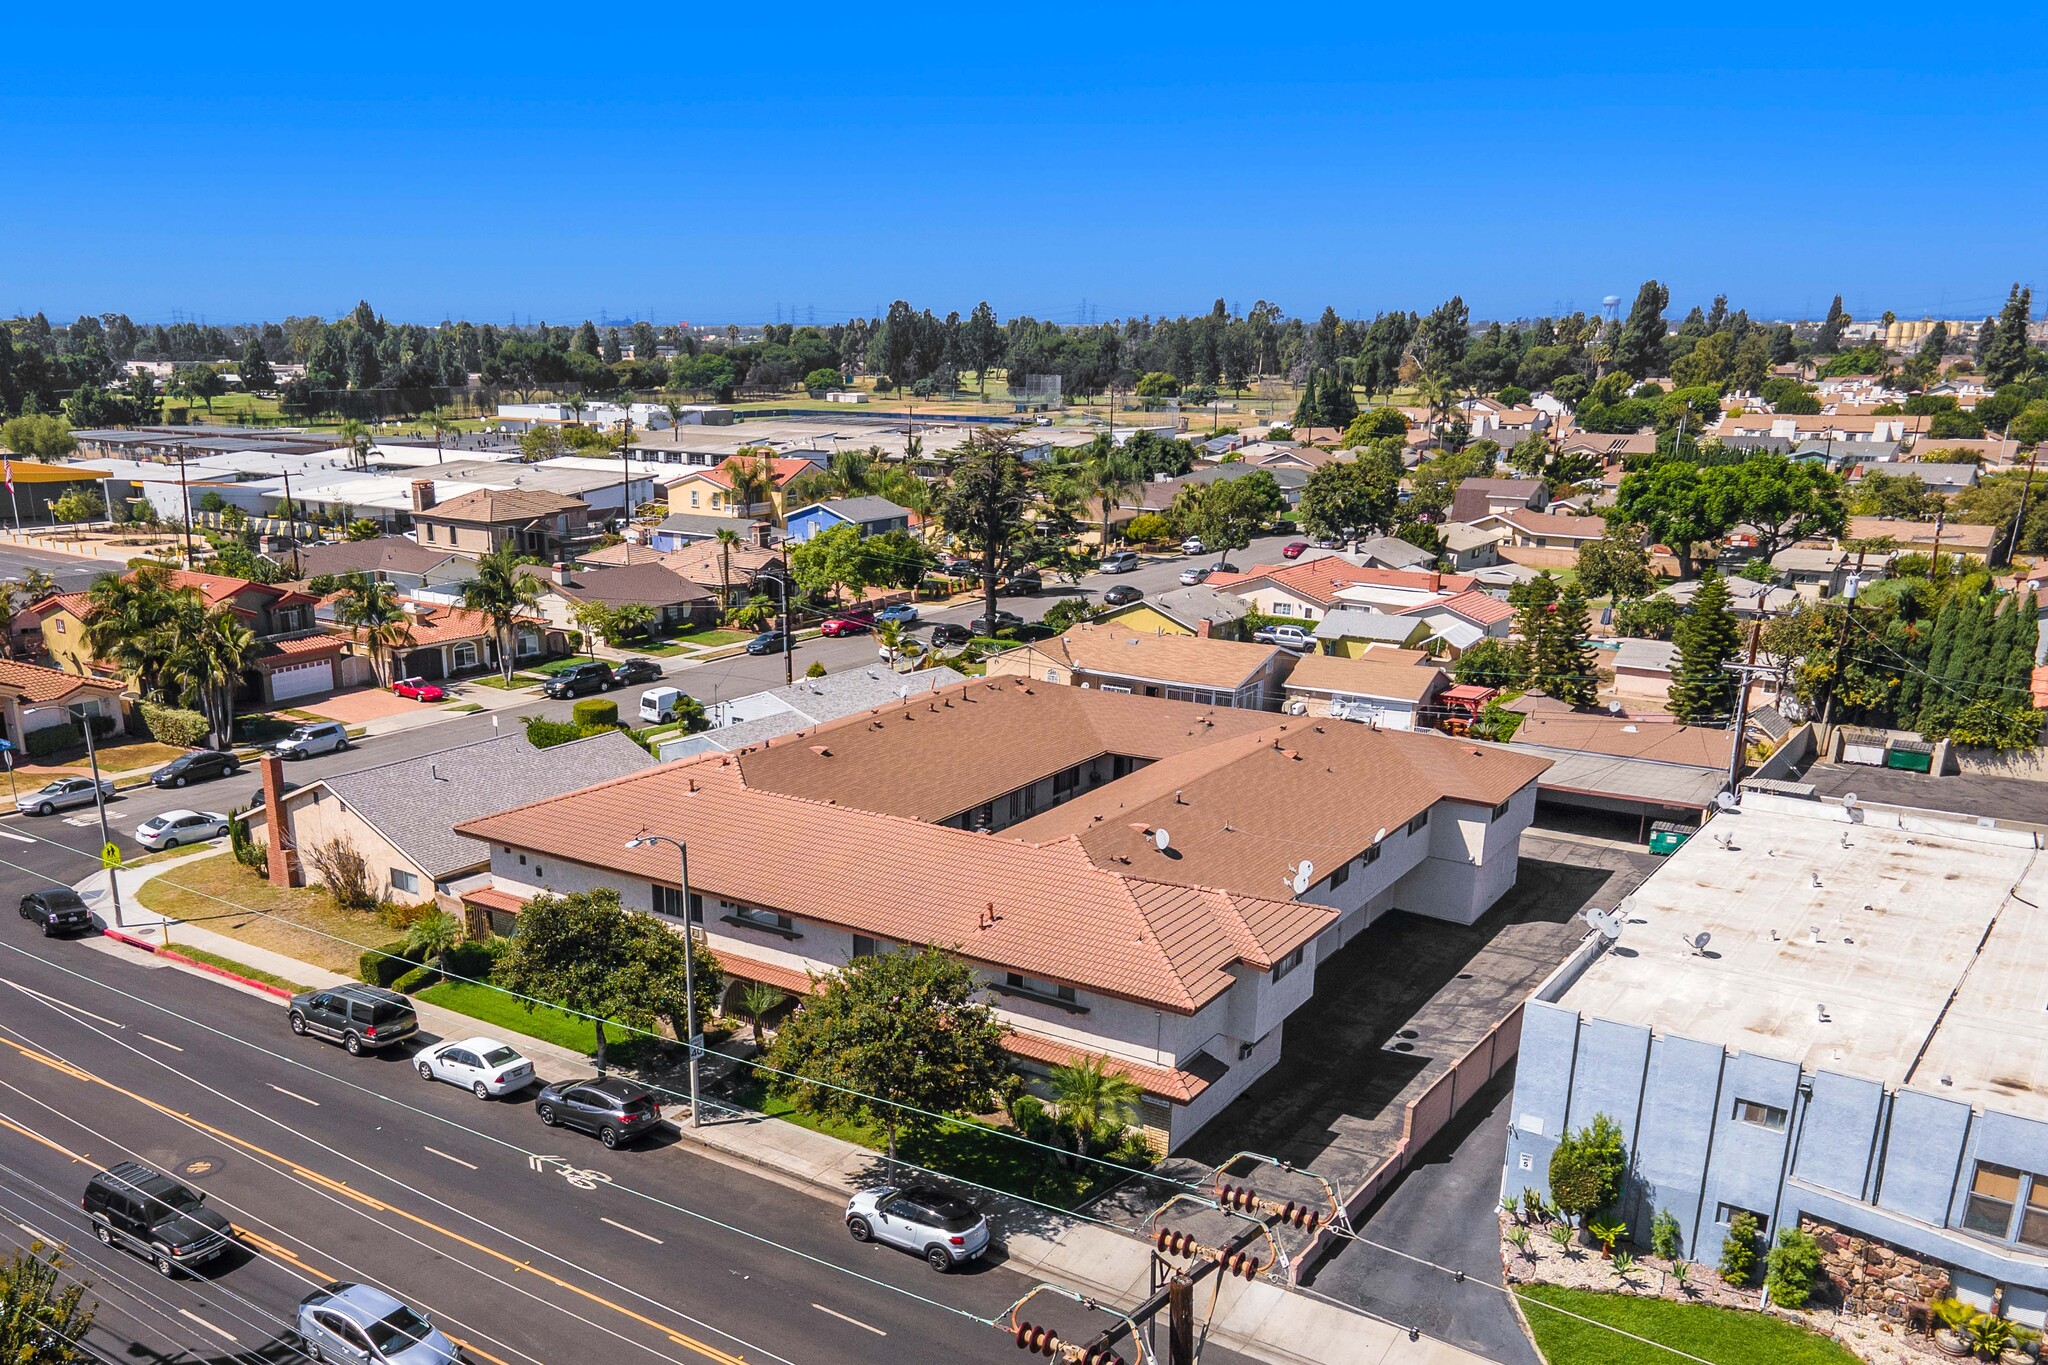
360 704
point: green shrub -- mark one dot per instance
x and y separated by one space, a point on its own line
418 979
1029 1116
1664 1234
1147 527
1586 1168
1738 1249
174 725
55 739
542 733
1792 1268
382 966
594 711
471 960
816 670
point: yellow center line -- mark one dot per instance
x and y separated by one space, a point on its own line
475 1350
340 1187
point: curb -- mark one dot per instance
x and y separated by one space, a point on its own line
171 955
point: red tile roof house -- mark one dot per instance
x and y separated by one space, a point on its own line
1035 852
1309 589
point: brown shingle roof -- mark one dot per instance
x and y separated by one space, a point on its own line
1657 741
651 585
1105 647
1367 676
495 506
1319 580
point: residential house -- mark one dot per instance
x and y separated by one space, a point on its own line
1956 537
672 599
1306 589
740 723
1609 446
474 524
1745 598
1543 530
1159 494
1390 552
1352 632
1824 427
1643 668
1477 497
709 492
378 809
36 698
1114 658
1467 547
1130 900
1463 619
1651 768
444 640
1391 689
1200 610
398 560
869 515
735 571
1939 478
1818 574
679 529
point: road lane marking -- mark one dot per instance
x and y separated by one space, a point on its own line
55 1003
219 1331
342 1190
473 1349
160 1042
456 1159
635 1231
34 1136
19 838
294 1094
282 1253
830 1313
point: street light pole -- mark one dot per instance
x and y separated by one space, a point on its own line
99 800
692 1039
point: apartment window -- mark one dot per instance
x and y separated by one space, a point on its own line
1724 1214
1500 810
1371 855
1290 962
1340 876
60 625
1066 781
1031 985
863 946
693 497
1283 609
1418 822
1994 1193
1760 1115
430 531
401 880
762 919
669 901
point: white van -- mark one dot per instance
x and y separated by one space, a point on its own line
658 704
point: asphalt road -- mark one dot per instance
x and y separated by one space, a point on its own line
525 1243
71 572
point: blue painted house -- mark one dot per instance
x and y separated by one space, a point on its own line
871 515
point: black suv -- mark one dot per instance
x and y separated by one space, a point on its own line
577 679
130 1205
638 671
360 1018
614 1109
950 633
57 908
198 766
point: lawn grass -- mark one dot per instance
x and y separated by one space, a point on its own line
489 1005
520 682
463 708
1726 1336
554 666
299 921
228 964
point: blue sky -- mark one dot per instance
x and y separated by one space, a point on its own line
668 163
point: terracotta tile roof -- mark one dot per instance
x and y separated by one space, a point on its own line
1108 648
300 647
784 469
34 683
495 506
440 623
1370 676
491 898
76 603
1179 1086
2037 682
1320 580
752 969
1477 607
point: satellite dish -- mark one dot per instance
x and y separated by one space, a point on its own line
1700 942
1607 922
1614 708
1726 801
1161 840
1849 800
1380 835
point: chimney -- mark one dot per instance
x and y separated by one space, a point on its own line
1202 628
561 573
422 494
281 858
761 534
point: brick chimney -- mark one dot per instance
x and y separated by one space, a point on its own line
561 573
1202 628
282 859
422 494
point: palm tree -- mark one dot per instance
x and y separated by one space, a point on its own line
852 473
1110 476
207 661
726 540
369 608
434 934
442 428
37 584
576 405
356 437
889 635
758 999
1093 1099
129 620
752 477
503 595
675 420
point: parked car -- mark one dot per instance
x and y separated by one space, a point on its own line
256 797
1121 594
1005 620
145 1211
175 827
321 737
1023 583
902 613
1119 561
58 909
843 625
1225 566
360 1018
1195 574
959 566
200 765
909 649
659 705
419 689
950 633
1192 546
637 671
616 1109
358 1322
1293 549
1287 637
771 642
578 679
63 794
943 1228
484 1066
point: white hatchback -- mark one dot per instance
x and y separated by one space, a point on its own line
483 1065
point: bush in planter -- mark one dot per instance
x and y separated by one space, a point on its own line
594 711
174 725
55 739
1792 1268
1738 1249
1664 1234
1586 1168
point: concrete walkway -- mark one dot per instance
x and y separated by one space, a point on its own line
1258 1319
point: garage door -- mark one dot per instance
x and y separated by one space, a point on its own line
302 680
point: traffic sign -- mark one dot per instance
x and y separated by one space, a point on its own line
110 856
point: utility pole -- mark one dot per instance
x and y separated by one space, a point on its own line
1934 563
2021 519
99 800
1747 670
1180 1322
1842 641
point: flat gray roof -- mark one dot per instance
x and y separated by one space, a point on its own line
1838 940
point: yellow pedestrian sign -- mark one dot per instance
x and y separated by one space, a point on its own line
110 856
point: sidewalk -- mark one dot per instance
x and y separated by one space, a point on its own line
1252 1318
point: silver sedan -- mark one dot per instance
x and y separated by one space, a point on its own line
63 794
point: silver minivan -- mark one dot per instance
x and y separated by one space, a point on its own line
1120 561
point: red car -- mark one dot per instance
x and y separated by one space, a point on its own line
419 689
1293 549
846 625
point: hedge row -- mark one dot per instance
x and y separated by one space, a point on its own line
55 739
382 966
173 725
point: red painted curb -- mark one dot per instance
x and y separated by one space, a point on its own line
115 934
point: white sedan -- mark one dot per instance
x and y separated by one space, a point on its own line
483 1065
175 827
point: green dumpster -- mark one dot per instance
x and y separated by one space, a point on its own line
1666 837
1908 756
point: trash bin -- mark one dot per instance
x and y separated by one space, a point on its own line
1666 837
1910 755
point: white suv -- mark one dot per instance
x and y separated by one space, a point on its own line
942 1228
321 737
